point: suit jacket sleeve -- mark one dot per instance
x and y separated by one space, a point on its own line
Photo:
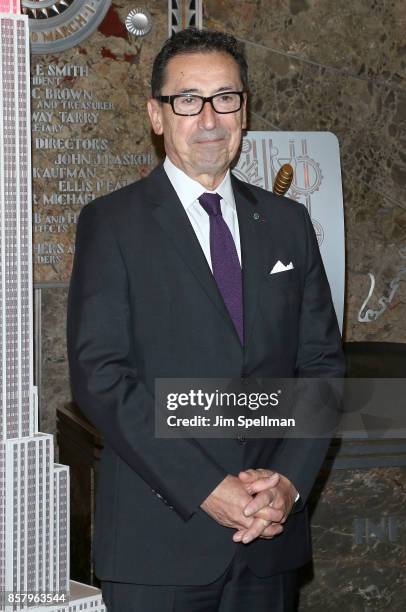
319 355
104 376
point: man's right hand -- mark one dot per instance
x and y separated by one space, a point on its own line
227 502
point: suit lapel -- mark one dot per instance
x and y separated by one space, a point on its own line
254 246
172 218
254 237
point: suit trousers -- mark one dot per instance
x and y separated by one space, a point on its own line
238 589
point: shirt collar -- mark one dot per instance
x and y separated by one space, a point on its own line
189 190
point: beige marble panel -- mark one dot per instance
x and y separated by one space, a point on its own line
364 39
340 67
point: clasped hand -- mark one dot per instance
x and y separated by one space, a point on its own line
256 504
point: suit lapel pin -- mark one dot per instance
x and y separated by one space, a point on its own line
257 217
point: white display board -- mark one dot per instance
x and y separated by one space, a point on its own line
315 158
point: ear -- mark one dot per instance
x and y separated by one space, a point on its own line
155 115
244 113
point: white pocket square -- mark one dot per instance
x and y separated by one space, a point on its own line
279 267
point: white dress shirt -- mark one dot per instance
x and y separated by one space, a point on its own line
189 190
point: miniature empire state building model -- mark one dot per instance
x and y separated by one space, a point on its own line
34 492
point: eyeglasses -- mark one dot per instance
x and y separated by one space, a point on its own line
190 104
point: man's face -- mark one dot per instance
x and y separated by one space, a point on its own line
203 145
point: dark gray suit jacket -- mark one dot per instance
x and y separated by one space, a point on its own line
143 304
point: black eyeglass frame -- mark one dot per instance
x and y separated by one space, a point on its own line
171 100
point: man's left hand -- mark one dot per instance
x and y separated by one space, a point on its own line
274 498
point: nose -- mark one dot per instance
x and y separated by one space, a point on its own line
208 116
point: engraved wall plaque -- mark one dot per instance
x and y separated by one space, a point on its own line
90 133
315 158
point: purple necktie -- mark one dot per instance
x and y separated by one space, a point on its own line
224 260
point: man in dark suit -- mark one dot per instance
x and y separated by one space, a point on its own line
172 279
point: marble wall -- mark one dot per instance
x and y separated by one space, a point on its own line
314 65
359 536
341 67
